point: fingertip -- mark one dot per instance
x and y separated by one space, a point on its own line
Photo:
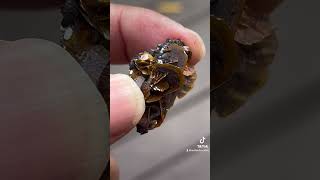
198 49
129 92
126 105
143 29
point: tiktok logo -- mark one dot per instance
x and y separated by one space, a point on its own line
202 140
202 147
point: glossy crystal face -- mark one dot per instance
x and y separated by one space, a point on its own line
164 74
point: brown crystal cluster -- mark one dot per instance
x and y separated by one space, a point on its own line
85 27
243 45
164 74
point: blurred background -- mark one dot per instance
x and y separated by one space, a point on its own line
56 140
275 135
161 154
21 23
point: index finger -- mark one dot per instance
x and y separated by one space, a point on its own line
134 29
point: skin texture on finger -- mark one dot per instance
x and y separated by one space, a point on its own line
136 29
126 105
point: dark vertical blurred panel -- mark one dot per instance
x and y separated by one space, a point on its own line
275 134
41 19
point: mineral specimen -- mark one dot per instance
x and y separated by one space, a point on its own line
164 73
243 45
85 28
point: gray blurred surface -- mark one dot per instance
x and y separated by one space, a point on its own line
161 154
57 118
276 134
52 117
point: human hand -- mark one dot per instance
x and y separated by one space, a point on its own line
133 30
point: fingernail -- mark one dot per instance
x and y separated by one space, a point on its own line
126 100
200 40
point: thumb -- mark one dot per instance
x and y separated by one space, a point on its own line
127 105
